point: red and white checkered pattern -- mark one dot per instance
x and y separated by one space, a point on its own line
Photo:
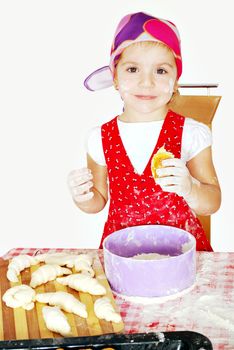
215 282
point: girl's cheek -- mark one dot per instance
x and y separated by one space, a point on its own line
167 86
171 86
125 86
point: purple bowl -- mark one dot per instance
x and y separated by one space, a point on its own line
150 278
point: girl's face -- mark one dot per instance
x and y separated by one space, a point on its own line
145 77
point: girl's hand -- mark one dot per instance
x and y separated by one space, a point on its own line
175 177
79 183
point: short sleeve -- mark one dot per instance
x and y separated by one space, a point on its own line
94 146
196 137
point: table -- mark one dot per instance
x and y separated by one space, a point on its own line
208 307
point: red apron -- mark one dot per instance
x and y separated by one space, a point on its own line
136 199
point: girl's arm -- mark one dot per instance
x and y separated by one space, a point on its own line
100 187
89 187
205 195
196 181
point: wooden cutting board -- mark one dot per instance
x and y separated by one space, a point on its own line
16 324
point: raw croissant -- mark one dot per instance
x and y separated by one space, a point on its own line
83 283
60 258
18 264
47 273
55 320
20 296
82 262
104 310
65 301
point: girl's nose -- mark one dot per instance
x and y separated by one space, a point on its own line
146 80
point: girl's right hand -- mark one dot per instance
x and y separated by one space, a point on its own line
79 183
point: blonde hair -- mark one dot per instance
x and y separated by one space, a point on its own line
152 43
147 44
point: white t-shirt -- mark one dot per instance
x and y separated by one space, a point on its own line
139 140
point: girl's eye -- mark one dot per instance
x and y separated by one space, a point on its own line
132 69
161 71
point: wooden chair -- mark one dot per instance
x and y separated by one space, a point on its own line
202 108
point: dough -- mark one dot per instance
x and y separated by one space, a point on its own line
65 301
81 262
47 273
157 159
83 283
20 296
18 264
60 258
55 320
104 310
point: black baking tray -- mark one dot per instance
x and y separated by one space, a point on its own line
184 340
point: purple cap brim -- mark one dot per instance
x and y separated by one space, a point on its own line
100 79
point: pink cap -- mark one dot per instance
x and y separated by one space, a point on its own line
134 28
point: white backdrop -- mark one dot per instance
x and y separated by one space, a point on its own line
46 50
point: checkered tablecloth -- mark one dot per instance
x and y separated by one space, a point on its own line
208 308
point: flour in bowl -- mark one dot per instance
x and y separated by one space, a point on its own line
150 256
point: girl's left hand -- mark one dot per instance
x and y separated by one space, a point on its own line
175 177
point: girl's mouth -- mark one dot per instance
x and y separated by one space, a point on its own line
145 97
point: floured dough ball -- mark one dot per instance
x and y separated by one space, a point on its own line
20 296
157 159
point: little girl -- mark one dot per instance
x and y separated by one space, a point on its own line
145 65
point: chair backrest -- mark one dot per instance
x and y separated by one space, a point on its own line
202 108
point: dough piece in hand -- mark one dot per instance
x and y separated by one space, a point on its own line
83 283
47 273
104 310
55 320
20 296
156 161
65 301
18 264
